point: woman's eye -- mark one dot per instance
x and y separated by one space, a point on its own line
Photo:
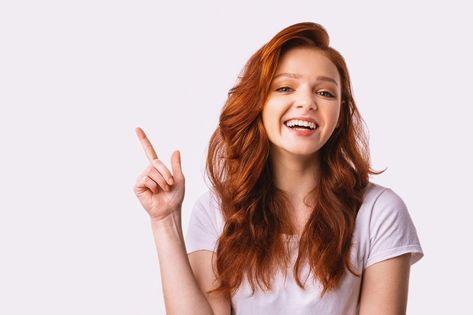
286 89
283 89
329 94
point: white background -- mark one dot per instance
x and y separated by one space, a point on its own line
76 78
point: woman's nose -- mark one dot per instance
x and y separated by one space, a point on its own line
306 100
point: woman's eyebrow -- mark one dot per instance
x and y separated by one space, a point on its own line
298 76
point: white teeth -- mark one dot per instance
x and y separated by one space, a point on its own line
297 122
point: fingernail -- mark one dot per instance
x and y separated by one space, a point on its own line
171 181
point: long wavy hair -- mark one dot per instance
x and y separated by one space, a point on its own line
256 213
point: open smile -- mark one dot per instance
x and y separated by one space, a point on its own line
301 130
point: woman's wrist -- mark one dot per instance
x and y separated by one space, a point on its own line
167 226
167 220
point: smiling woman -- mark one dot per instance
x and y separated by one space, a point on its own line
311 84
291 224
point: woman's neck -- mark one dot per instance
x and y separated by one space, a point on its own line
295 175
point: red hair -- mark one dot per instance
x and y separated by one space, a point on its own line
256 213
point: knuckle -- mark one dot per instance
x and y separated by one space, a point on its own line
160 166
159 181
162 182
151 185
157 165
156 162
150 181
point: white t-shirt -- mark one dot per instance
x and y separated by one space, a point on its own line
383 230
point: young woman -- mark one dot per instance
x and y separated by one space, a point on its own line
291 224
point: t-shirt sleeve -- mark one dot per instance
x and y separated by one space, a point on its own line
203 229
391 230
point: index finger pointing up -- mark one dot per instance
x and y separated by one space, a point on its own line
147 146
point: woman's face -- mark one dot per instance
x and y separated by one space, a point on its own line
305 93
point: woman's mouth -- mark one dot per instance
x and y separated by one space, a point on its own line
301 127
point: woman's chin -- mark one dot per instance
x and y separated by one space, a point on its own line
303 153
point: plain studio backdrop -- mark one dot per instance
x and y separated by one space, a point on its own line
77 77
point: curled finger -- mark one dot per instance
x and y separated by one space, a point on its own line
150 184
155 175
166 174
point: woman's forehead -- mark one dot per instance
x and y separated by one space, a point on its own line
299 63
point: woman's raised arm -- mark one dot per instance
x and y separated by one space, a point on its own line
161 194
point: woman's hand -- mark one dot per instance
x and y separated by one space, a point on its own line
160 192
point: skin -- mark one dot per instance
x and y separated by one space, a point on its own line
296 158
154 186
161 193
186 278
384 287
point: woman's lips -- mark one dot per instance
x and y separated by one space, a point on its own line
302 131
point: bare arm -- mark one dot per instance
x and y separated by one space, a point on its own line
385 287
201 262
182 295
161 193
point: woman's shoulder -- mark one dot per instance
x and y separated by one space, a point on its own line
209 201
385 227
381 207
205 223
208 206
373 189
376 195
